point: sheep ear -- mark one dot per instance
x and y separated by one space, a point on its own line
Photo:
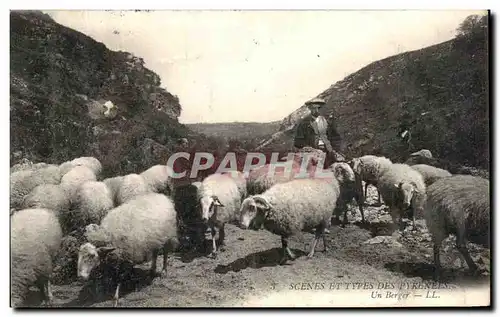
103 251
217 201
397 185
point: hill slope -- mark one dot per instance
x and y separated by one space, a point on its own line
439 92
61 84
245 132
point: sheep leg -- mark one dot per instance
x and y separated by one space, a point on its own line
153 263
325 247
461 246
214 245
117 296
222 236
42 285
379 201
319 232
366 189
437 262
165 258
360 202
286 251
50 296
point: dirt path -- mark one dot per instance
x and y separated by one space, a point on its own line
247 273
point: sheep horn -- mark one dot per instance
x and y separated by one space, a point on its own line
263 201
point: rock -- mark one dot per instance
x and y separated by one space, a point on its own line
387 240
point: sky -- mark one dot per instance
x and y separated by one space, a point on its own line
259 66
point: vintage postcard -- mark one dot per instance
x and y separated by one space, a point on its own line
306 158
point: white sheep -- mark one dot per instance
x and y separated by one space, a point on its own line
430 173
114 184
240 180
35 239
369 168
220 201
458 205
92 202
72 180
23 182
88 161
49 196
132 185
159 179
133 233
261 179
288 208
28 165
402 187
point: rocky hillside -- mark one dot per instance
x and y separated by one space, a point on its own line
71 96
440 93
247 133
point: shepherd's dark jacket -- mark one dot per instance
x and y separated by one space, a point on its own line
306 136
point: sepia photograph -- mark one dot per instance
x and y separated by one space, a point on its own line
250 158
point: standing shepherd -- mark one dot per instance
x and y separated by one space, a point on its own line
317 132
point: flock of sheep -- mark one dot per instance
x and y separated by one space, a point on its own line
128 220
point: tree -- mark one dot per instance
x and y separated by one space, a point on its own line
473 26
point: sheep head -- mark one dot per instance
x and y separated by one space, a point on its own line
253 211
407 190
209 205
89 257
343 172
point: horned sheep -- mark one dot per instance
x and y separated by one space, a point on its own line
458 205
288 208
130 234
35 239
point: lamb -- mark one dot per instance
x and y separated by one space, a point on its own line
402 187
35 239
459 205
23 182
114 184
88 161
369 168
430 173
158 178
92 202
287 208
220 202
132 185
72 180
348 190
128 235
48 196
